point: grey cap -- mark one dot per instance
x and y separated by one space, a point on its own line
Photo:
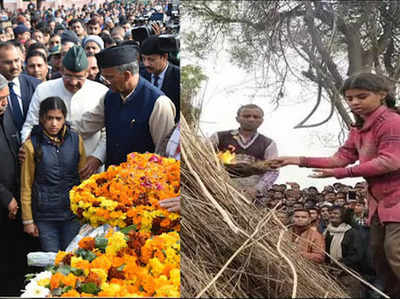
93 38
3 81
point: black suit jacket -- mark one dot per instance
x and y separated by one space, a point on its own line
27 85
171 85
10 172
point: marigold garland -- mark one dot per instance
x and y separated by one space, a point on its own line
140 260
129 194
134 264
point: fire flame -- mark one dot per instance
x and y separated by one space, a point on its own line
227 157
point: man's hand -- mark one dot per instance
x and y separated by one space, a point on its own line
283 161
92 164
21 155
31 229
156 28
171 204
12 209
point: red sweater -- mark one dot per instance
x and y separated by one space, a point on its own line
377 147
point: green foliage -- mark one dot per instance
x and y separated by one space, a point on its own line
191 80
89 287
85 254
127 229
101 243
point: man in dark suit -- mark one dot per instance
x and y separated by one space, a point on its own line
159 71
15 244
21 86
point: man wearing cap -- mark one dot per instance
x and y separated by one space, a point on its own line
159 71
21 86
80 95
15 244
21 33
92 44
137 115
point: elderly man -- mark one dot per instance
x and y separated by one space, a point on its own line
15 244
80 95
137 116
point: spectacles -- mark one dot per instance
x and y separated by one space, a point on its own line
71 77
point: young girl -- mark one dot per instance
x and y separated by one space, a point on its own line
54 155
374 141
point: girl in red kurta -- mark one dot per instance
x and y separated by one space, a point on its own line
373 141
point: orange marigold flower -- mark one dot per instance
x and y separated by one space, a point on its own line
56 280
87 243
71 294
101 262
69 280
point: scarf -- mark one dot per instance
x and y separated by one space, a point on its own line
335 249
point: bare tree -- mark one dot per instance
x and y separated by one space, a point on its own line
334 38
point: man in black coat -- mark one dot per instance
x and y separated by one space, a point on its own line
159 71
15 244
21 86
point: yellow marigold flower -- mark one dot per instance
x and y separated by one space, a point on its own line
80 263
109 290
168 291
175 276
156 267
115 243
101 273
59 257
43 282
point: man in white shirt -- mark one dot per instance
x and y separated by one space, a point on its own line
80 95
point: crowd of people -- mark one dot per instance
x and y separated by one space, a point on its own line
80 88
355 225
333 220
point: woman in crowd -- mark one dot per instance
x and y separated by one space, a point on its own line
374 141
54 155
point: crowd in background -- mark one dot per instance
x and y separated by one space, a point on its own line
49 60
333 220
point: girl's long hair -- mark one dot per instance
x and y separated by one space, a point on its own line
374 83
52 103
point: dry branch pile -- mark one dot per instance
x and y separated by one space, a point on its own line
229 247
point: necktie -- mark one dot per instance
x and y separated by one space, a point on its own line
156 78
16 110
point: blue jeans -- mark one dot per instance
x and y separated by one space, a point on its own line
56 235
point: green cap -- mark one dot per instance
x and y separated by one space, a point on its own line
76 60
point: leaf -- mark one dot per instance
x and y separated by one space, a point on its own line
66 289
90 288
29 276
56 292
64 269
101 243
127 229
85 254
76 271
52 269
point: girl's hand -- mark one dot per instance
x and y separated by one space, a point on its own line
283 161
31 229
321 173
